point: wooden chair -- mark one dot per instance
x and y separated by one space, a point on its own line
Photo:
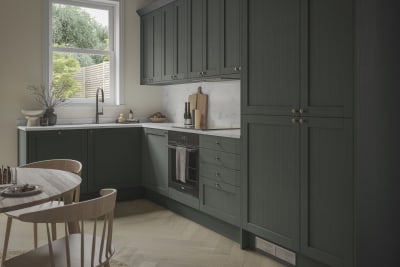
80 249
69 165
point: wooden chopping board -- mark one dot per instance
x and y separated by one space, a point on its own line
202 102
193 102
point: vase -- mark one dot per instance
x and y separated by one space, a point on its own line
51 116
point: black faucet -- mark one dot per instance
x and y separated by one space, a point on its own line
97 103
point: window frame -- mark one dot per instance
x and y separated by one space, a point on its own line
115 8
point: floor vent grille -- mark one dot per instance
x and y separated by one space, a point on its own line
275 250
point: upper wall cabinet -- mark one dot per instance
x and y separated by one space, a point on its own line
300 63
230 42
151 50
184 40
174 41
204 37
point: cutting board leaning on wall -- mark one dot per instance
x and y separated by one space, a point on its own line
200 101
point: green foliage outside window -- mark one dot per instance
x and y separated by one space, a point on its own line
73 27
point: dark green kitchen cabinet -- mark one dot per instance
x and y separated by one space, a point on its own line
220 178
298 184
327 190
297 142
155 160
114 158
151 47
54 144
174 41
299 57
230 37
204 38
271 185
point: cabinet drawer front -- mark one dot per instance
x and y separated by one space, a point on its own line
221 159
219 174
224 144
220 200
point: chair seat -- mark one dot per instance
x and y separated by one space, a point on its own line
44 206
40 257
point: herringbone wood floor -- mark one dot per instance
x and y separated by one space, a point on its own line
147 235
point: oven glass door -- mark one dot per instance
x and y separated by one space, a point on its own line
190 183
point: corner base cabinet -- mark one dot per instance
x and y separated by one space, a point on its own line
55 144
110 157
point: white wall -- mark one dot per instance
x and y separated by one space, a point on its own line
21 29
223 102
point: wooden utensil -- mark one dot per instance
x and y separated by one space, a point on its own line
202 102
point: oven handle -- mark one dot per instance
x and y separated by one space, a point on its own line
188 149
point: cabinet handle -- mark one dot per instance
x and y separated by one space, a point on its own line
301 121
294 111
200 73
294 120
217 158
216 174
216 184
216 142
302 111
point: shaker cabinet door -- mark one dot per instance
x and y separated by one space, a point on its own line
270 69
271 188
155 160
59 144
114 158
151 47
327 190
230 37
328 61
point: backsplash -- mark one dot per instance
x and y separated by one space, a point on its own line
223 102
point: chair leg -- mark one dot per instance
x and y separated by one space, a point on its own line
35 239
53 231
6 239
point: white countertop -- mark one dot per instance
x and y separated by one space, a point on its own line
232 133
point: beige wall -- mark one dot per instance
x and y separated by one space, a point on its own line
21 31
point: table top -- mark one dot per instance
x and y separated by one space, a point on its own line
54 184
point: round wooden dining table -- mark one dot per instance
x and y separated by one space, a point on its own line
53 183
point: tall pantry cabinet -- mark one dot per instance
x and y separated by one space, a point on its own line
297 127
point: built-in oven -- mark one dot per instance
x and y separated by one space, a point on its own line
183 162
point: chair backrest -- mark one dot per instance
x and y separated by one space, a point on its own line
69 165
96 210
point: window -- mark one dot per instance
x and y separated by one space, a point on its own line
84 48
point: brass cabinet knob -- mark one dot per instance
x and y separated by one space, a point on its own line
301 121
217 142
302 111
216 174
294 120
216 184
294 111
217 158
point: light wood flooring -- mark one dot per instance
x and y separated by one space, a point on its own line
147 235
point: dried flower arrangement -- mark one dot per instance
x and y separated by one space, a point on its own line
49 98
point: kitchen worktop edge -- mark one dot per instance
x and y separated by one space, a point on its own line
232 133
